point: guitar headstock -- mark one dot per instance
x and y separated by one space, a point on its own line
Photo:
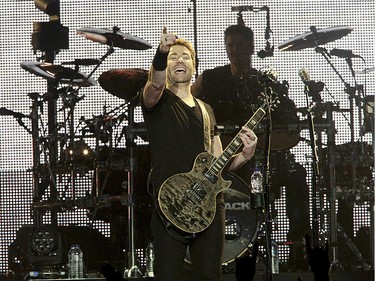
270 99
273 89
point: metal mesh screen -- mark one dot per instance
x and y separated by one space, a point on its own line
145 19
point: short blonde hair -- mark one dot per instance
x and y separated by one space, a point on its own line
188 45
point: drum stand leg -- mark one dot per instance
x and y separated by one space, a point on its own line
332 188
353 248
132 269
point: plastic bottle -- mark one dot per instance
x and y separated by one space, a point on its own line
257 200
150 256
256 181
275 257
75 261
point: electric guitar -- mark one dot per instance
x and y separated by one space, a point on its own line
188 200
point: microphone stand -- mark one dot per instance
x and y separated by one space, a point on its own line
315 173
266 172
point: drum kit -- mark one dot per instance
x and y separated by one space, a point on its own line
338 171
108 162
112 170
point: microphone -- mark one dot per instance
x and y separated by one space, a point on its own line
314 87
343 53
268 50
82 62
305 76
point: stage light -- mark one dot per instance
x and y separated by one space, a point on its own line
49 36
50 7
45 246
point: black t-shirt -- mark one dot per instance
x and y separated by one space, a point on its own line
235 100
176 136
232 99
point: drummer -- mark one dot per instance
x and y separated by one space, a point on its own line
233 92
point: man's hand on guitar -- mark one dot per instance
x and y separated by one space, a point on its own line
249 140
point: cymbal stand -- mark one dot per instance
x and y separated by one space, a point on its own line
354 100
70 102
37 196
132 269
331 155
332 184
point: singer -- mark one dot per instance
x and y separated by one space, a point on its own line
179 127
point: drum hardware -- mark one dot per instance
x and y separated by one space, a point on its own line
332 189
368 108
88 202
123 83
81 153
45 174
132 269
314 38
366 70
316 176
58 73
114 38
18 116
353 248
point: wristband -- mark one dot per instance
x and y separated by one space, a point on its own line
160 60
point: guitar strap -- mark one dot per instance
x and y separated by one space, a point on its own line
206 127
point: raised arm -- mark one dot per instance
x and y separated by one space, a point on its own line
157 75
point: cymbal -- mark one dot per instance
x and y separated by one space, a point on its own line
366 70
114 39
313 39
59 73
123 83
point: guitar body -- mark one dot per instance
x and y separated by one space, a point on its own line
188 200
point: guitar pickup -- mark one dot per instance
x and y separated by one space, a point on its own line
212 178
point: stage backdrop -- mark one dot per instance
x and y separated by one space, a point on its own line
202 22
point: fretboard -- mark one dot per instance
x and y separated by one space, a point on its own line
218 165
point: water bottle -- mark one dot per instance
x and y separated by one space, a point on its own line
150 256
257 199
75 261
275 257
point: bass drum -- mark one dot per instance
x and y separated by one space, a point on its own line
241 222
241 225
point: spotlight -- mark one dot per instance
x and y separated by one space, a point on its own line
45 246
49 36
50 7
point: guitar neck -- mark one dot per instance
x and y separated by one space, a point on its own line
220 162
